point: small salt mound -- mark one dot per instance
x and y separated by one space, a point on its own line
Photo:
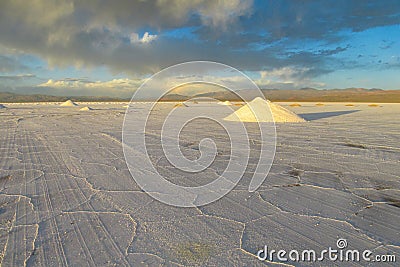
2 106
86 108
68 103
180 105
257 111
227 103
295 105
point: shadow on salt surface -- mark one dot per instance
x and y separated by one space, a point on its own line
323 115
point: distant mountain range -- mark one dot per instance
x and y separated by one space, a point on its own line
301 95
314 95
6 97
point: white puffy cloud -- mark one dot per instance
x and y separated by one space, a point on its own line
285 74
146 38
287 78
115 87
77 83
224 12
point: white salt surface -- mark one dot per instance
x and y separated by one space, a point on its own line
67 197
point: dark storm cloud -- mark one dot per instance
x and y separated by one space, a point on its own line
251 36
98 32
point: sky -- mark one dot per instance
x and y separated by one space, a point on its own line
108 48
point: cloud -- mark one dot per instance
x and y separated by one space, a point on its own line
16 77
125 87
324 18
284 74
131 37
195 89
14 82
222 13
73 86
11 64
146 38
287 78
83 83
66 17
90 33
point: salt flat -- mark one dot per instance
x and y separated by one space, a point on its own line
67 197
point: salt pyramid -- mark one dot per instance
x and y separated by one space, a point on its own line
68 103
2 106
180 105
295 105
257 111
86 108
